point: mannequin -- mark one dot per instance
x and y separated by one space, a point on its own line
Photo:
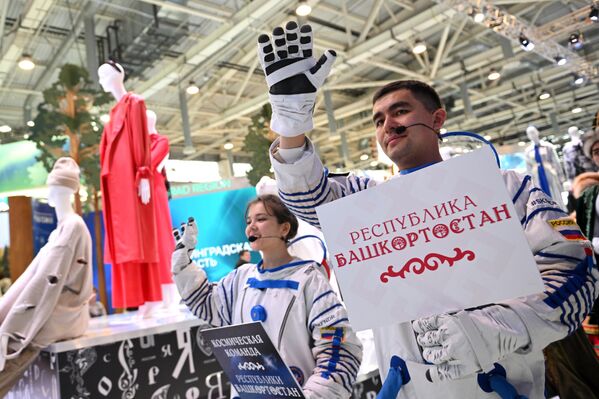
126 181
575 161
543 165
49 301
166 243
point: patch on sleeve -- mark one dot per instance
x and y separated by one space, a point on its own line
329 333
568 228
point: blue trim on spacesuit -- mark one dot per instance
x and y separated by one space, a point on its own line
521 189
262 284
322 180
322 295
526 219
410 170
541 171
285 266
557 256
322 313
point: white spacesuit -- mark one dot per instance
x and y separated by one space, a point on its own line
566 266
298 310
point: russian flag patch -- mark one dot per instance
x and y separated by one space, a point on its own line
568 228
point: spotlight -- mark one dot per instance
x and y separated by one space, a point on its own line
479 17
30 123
594 15
560 60
364 157
26 63
521 143
303 8
228 146
192 88
525 43
104 118
5 129
374 164
576 110
544 95
578 79
419 47
493 75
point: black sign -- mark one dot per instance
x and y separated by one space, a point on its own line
252 362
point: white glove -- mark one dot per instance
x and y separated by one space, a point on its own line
470 341
186 241
293 77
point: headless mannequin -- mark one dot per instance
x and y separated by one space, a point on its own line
111 81
574 134
544 166
170 294
152 130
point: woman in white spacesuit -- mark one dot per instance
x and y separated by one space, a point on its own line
291 297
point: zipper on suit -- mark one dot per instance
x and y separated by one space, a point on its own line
284 322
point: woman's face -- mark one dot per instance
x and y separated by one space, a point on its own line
595 153
265 227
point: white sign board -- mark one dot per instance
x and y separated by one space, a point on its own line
440 239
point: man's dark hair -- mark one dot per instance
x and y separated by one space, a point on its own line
275 207
243 251
423 93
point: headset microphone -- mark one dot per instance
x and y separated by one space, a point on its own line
403 129
254 238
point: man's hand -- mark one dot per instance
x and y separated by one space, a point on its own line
469 342
185 240
293 77
584 181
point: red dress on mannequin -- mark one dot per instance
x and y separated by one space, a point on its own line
162 214
130 240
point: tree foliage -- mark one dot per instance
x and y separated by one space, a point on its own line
67 126
257 142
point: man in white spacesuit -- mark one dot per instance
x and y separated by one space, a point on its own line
408 116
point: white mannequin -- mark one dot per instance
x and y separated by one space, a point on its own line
574 134
575 161
550 165
111 81
59 198
151 115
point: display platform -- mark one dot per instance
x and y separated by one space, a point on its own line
125 356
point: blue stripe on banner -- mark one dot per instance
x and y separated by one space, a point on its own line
322 180
322 295
322 313
557 256
521 189
546 209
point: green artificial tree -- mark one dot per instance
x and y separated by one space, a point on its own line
66 126
257 143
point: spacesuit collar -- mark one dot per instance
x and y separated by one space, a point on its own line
410 170
294 263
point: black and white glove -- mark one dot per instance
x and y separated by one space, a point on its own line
293 77
469 341
186 241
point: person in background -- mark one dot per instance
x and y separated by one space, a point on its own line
96 308
244 257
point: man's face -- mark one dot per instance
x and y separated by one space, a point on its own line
595 153
418 145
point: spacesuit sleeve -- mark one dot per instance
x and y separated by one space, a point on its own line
336 349
565 260
211 302
306 183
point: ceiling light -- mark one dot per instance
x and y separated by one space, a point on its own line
303 8
578 79
525 43
576 110
479 17
192 88
521 143
493 75
594 15
560 60
30 123
487 137
374 164
544 95
419 47
228 146
26 63
5 129
364 157
104 118
575 40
